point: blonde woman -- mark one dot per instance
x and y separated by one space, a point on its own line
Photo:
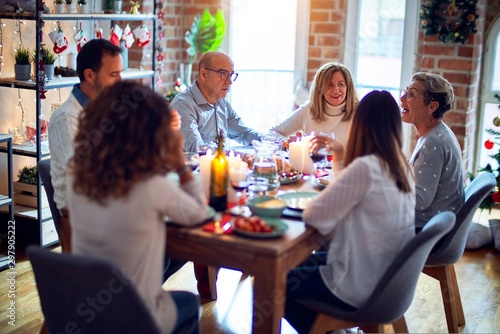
330 107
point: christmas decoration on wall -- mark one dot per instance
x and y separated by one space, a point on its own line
159 44
453 20
1 46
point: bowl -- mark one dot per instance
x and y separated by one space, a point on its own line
266 206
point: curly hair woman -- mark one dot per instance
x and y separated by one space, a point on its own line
119 192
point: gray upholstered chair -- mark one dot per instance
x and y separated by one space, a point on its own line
394 292
440 264
89 295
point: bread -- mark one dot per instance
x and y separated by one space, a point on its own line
272 204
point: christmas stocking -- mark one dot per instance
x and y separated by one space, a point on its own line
80 39
60 42
98 31
116 35
128 37
141 33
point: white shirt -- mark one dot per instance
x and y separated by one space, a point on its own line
131 233
371 220
301 120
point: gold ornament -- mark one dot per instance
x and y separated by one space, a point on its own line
457 35
135 7
424 23
496 121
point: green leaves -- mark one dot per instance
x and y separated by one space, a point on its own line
206 34
28 175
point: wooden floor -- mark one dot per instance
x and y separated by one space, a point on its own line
478 275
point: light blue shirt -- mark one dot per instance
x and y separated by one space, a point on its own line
200 124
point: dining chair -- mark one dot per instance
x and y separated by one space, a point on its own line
89 295
44 172
393 293
448 251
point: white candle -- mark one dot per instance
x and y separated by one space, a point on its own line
205 167
295 149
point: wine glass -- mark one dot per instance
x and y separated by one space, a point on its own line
239 179
318 152
192 160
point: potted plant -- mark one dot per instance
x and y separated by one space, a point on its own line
69 6
206 34
59 6
23 57
81 6
49 58
25 189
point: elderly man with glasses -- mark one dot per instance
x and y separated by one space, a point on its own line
204 110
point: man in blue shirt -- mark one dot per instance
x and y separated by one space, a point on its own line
204 110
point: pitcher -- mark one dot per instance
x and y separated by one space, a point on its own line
264 164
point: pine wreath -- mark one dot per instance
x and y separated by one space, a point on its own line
433 20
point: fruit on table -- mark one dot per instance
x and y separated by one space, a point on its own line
252 224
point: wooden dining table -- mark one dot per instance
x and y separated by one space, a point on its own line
268 260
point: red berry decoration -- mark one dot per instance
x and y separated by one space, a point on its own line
489 144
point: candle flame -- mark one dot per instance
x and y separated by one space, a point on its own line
231 154
209 152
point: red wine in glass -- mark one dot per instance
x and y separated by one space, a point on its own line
318 155
239 186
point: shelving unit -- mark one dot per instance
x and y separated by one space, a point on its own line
38 221
7 200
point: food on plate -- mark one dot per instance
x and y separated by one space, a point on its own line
272 204
285 169
252 224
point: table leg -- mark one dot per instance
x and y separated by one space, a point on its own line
269 300
206 276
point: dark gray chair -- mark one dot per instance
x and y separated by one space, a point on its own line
89 295
440 264
394 292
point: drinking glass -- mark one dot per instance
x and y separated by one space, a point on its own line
318 152
192 160
239 178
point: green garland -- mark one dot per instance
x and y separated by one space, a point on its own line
432 19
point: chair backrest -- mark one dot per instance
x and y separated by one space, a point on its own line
394 292
86 293
451 248
44 172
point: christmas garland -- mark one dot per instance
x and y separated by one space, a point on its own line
433 21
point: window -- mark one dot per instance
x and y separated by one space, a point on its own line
267 53
489 103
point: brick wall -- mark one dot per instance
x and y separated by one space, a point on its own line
461 65
326 33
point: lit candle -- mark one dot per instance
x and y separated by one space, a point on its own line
307 163
233 162
205 166
295 149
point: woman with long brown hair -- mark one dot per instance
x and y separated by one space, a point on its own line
369 209
119 192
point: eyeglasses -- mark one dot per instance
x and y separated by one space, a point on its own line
224 75
408 94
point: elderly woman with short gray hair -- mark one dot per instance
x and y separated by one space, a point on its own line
437 158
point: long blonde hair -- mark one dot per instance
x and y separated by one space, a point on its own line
320 84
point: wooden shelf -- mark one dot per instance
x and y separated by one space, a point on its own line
128 74
75 16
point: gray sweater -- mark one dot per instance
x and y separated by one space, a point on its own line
437 162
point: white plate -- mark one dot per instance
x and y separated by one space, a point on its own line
297 200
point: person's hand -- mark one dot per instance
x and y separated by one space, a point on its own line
176 122
177 160
330 143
